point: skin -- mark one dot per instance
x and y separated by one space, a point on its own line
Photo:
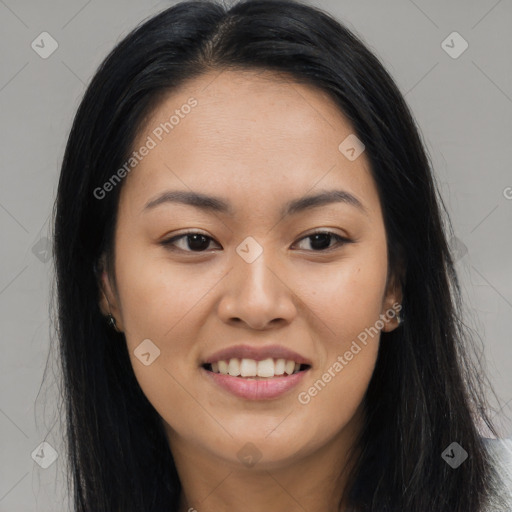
257 141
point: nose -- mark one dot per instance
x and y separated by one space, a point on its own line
257 294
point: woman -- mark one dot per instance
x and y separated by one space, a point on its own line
257 305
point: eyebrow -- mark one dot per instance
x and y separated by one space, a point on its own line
216 204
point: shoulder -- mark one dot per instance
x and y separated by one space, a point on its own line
501 452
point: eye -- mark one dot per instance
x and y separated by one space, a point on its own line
196 242
320 240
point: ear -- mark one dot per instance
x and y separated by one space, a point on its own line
108 302
392 303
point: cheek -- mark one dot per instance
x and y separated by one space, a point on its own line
347 303
167 304
350 346
157 295
160 303
347 297
333 399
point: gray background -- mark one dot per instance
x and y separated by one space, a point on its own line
463 106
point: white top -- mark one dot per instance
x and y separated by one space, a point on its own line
502 449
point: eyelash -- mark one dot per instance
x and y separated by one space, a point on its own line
340 239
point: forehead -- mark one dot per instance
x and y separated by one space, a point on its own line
247 134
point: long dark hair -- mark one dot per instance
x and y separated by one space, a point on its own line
425 392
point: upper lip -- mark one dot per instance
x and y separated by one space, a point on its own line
258 353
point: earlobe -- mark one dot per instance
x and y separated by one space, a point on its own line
392 313
103 284
392 316
393 300
103 301
107 302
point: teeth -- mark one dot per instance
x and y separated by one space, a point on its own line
289 367
248 368
223 367
280 366
251 368
234 367
266 368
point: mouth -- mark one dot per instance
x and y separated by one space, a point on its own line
251 369
249 379
255 372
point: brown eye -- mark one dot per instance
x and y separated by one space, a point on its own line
321 240
193 242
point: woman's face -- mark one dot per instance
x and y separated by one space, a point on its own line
256 284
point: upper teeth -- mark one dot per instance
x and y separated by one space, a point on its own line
252 368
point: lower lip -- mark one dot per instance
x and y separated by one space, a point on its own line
244 387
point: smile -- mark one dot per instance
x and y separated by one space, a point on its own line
247 368
268 379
